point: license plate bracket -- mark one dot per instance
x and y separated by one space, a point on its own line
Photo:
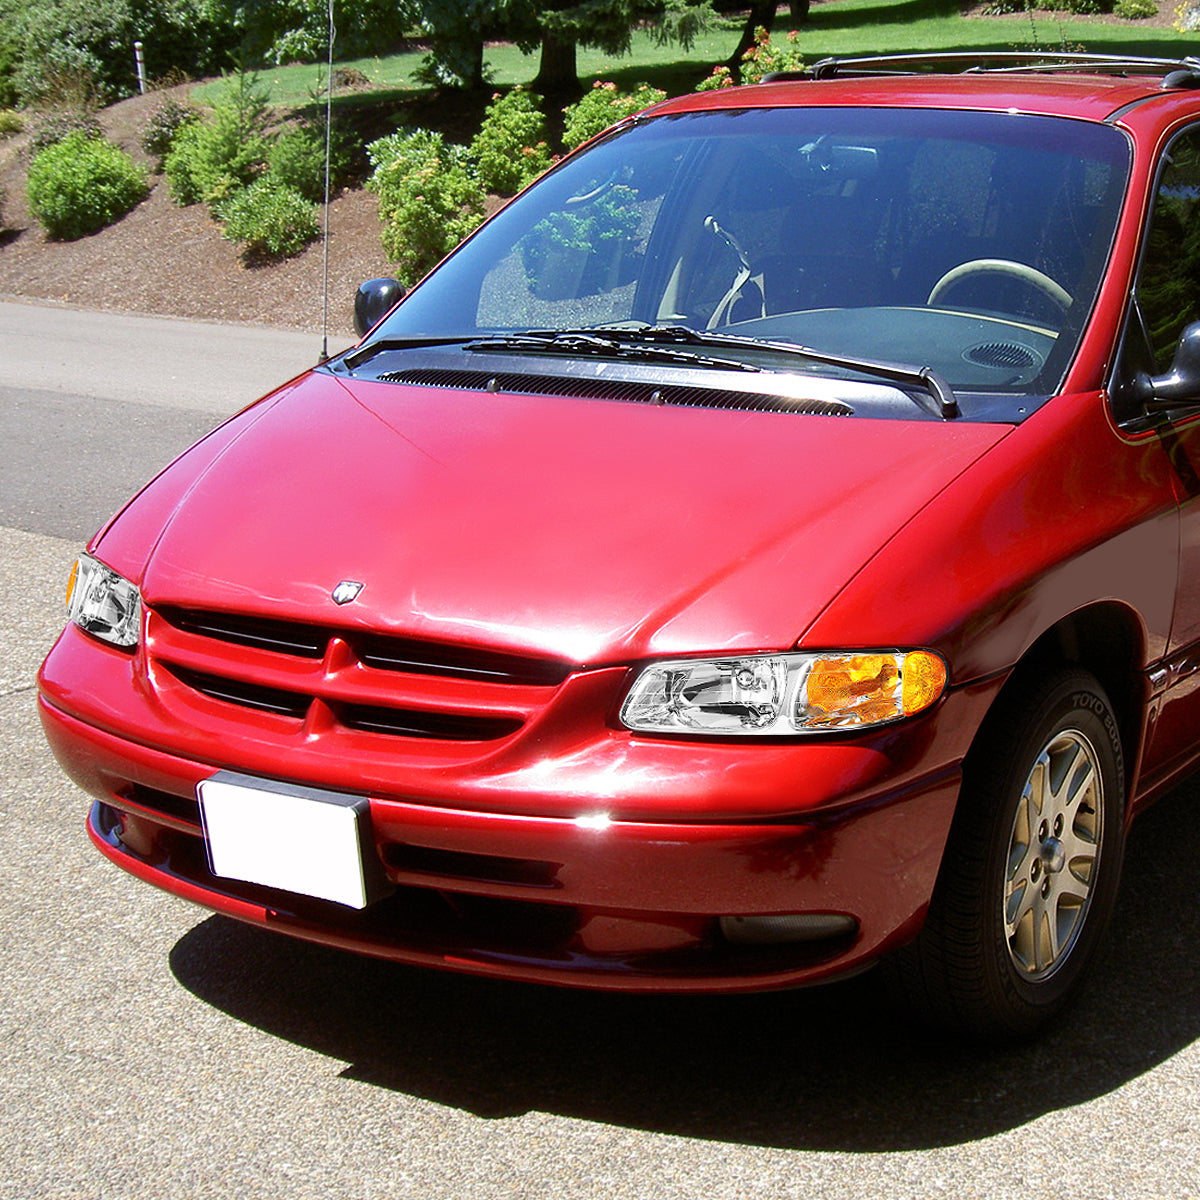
298 839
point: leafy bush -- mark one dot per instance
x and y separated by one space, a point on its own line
766 56
82 184
212 158
68 101
603 106
429 199
510 149
162 126
97 36
50 128
10 123
297 157
1135 10
297 160
270 219
10 59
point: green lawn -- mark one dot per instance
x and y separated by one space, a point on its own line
835 27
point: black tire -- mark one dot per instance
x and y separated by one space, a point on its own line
1031 867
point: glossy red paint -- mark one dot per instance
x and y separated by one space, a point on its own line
590 538
380 484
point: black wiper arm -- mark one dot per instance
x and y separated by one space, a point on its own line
354 358
605 343
935 394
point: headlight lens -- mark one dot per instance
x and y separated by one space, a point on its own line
778 695
103 604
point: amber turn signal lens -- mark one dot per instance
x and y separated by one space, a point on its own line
924 680
845 691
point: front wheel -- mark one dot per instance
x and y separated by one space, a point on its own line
1031 867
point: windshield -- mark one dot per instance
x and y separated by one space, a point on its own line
971 244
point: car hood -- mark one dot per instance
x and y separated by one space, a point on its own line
589 530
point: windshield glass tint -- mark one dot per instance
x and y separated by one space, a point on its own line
972 243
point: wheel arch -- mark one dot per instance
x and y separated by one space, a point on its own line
1106 639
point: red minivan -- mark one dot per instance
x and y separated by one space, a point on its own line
768 547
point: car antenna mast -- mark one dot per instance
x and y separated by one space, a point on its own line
325 217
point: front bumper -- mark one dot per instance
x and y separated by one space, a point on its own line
630 904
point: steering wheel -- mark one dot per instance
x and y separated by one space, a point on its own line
1000 266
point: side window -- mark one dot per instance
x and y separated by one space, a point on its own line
1168 286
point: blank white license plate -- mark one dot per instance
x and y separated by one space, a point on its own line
285 836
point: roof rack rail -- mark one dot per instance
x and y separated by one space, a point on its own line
1176 72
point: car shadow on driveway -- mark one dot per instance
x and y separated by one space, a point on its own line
831 1068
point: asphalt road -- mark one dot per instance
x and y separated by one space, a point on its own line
151 1050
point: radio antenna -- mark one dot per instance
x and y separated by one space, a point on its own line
325 228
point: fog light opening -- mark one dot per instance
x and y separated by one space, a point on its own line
786 927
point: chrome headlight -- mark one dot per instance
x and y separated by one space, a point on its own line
103 603
778 695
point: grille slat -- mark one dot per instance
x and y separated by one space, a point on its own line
248 695
450 727
629 391
284 637
427 658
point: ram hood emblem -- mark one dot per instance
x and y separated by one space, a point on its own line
346 591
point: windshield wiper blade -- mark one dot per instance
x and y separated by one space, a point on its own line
934 394
605 343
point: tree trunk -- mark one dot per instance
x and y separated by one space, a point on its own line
473 77
762 15
799 13
558 74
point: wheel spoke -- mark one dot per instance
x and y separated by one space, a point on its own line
1052 853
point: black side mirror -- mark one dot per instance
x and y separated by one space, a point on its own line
373 301
1180 386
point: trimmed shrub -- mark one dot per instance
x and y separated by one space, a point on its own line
297 158
1135 10
10 123
163 125
269 219
510 149
82 184
212 158
429 199
603 106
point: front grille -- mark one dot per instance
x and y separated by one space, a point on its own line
379 651
630 391
317 678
